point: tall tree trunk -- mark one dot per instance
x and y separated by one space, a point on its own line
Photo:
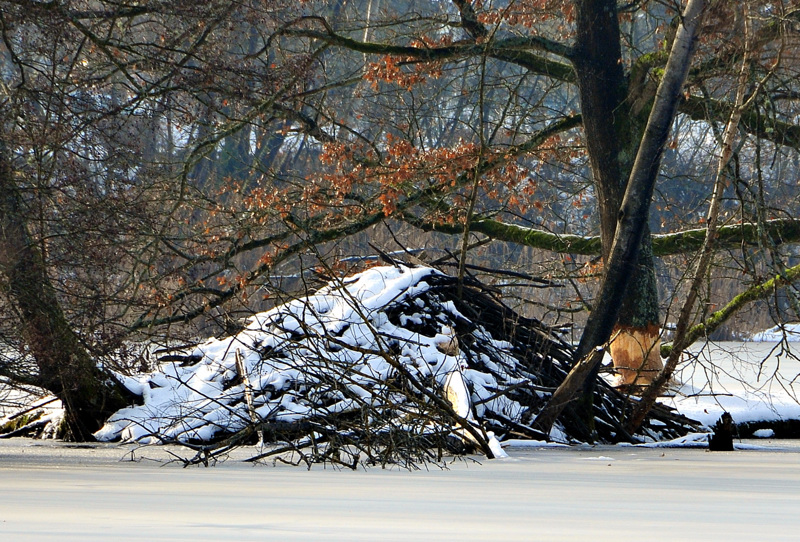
632 222
680 342
611 130
602 90
65 367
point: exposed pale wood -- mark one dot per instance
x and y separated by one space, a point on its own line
248 389
636 354
633 217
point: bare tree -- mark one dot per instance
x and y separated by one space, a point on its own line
173 162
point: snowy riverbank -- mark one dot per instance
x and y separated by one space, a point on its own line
386 338
754 381
718 377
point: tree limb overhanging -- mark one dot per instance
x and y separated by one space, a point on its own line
754 293
512 49
731 236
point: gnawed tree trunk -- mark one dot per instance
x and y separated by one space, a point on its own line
65 367
632 222
637 355
611 128
636 338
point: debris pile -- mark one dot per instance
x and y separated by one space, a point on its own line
390 358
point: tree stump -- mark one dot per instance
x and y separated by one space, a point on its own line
722 438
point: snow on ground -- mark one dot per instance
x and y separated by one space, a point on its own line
753 381
28 407
789 332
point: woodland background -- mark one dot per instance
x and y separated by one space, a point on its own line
169 167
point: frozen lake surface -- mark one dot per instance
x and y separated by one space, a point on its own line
54 491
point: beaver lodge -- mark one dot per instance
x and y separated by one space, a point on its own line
387 365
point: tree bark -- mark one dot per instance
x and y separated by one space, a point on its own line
602 90
706 252
633 215
611 129
65 367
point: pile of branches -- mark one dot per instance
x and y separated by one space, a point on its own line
395 365
542 360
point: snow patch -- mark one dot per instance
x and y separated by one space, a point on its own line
790 332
